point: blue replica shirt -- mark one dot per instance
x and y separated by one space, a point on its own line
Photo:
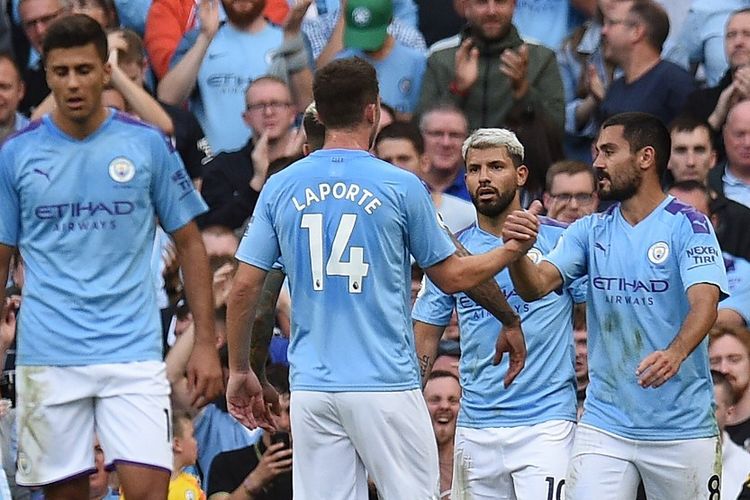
738 275
637 302
545 389
345 224
399 75
233 60
83 214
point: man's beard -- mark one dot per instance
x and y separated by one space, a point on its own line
495 207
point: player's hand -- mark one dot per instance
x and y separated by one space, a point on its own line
261 161
523 227
511 340
658 367
205 379
276 460
467 65
245 401
515 64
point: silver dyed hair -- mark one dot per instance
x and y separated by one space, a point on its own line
485 138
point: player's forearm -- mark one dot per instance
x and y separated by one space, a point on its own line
698 322
241 307
179 81
265 314
475 269
6 253
426 341
527 280
488 294
197 276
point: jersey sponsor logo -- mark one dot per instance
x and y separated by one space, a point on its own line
84 209
467 305
703 255
658 252
618 284
181 178
228 82
121 170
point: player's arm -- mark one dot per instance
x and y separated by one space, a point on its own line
265 316
510 339
245 395
426 341
660 366
203 369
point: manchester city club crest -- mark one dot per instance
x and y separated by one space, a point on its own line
535 255
658 252
121 170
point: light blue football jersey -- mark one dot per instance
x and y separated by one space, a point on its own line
738 275
637 302
83 214
345 224
546 388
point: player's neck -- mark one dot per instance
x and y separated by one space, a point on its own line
80 130
494 224
641 204
358 138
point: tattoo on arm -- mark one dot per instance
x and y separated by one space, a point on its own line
425 366
488 294
261 329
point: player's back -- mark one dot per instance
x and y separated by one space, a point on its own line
87 217
346 223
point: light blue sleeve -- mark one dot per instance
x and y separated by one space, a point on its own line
579 290
10 215
260 244
570 255
428 242
172 191
699 258
433 306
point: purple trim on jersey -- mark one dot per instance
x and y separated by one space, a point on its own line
675 206
125 118
28 128
611 209
549 221
729 263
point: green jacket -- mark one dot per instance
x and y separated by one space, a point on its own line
490 101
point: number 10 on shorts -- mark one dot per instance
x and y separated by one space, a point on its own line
355 269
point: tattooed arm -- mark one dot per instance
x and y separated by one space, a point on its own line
426 341
262 326
510 339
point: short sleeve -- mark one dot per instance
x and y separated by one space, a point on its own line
10 215
260 244
174 196
433 306
699 258
570 255
428 241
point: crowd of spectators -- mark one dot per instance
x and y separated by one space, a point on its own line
230 80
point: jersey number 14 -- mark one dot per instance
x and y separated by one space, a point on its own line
355 269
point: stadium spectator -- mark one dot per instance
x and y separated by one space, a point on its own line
442 392
490 73
182 484
735 461
732 178
444 128
570 191
729 351
214 65
11 93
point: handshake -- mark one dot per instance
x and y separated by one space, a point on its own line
521 228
